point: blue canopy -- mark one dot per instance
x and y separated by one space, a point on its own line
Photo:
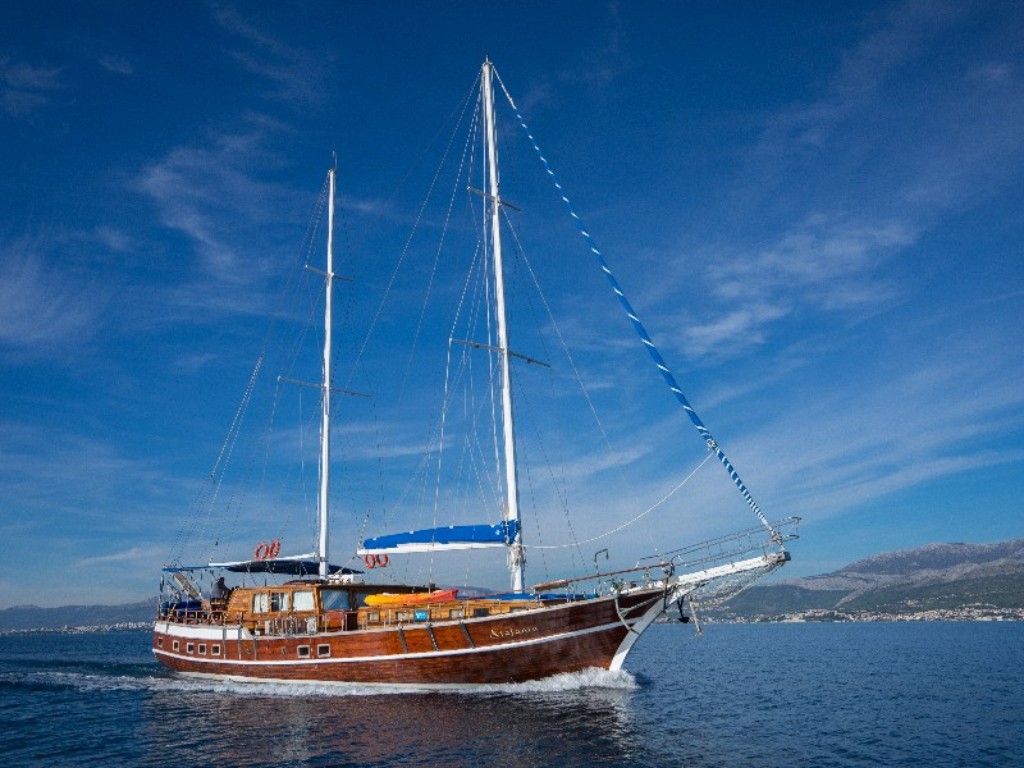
289 567
451 537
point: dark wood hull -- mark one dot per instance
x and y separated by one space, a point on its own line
510 648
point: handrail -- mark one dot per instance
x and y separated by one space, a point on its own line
715 550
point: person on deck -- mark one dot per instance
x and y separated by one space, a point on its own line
220 590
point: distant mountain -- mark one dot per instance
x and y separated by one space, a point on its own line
912 581
935 577
23 617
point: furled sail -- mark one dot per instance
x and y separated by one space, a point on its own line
448 537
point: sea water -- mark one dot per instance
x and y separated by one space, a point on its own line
908 694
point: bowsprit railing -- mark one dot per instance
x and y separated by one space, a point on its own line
715 571
738 557
731 547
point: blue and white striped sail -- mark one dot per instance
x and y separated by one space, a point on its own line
444 538
641 331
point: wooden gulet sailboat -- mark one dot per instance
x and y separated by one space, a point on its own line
330 625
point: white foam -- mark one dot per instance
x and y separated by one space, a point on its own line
574 681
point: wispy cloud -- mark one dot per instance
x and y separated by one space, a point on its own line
41 307
821 261
295 74
864 71
609 60
75 474
113 238
940 413
25 87
210 195
823 264
896 150
117 64
221 198
855 180
144 555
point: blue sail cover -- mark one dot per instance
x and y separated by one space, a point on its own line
450 537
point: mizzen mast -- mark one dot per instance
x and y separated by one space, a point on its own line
516 559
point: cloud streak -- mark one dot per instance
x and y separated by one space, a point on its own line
295 74
41 308
26 88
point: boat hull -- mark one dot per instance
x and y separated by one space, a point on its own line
511 648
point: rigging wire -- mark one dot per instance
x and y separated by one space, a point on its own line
461 109
641 331
198 521
638 517
288 355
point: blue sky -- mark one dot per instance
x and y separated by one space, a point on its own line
818 211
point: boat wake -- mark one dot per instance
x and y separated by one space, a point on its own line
587 679
570 681
89 681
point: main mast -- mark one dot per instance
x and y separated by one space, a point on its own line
325 393
516 561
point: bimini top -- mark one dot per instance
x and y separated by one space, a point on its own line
289 566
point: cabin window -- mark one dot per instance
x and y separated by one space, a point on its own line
323 651
302 601
215 650
190 648
336 600
259 602
373 617
481 612
403 616
159 642
202 649
303 651
456 613
279 601
176 645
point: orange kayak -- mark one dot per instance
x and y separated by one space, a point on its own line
412 598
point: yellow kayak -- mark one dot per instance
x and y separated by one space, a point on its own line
412 598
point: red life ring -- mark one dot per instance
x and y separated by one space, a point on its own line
261 551
382 561
370 561
273 549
